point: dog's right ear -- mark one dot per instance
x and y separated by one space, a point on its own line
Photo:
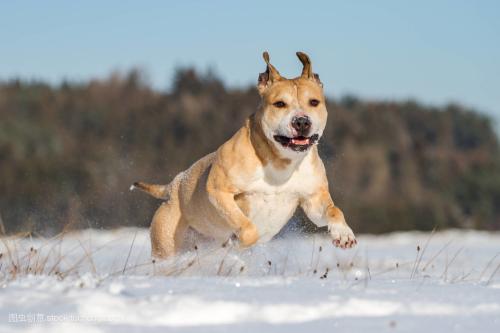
269 76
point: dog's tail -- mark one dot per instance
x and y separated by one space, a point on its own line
157 191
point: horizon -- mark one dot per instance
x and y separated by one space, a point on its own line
144 78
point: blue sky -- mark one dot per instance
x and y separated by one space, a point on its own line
434 51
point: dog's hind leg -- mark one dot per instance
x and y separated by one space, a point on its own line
167 230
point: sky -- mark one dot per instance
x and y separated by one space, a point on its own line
433 51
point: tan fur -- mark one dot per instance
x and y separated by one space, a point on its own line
157 191
252 175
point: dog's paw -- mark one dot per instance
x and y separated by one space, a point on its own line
342 235
248 235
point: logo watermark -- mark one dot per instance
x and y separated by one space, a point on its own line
30 317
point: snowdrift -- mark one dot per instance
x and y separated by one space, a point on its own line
97 280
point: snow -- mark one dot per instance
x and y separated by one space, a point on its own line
105 281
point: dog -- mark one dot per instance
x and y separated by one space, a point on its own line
251 186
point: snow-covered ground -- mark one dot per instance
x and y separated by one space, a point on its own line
105 281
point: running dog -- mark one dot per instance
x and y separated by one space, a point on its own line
251 186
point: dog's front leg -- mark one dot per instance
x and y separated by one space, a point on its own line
226 206
320 209
221 195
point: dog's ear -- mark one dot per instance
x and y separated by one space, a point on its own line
269 76
307 72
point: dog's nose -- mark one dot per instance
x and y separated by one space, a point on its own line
301 124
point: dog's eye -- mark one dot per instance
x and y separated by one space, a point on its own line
313 102
279 104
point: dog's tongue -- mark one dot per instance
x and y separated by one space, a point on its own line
300 141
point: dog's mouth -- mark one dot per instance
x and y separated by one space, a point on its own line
297 143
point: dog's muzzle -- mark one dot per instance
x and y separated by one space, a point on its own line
297 143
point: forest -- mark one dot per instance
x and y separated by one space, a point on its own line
69 152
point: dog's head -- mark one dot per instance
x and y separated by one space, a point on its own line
293 112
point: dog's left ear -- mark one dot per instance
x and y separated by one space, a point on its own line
269 76
307 72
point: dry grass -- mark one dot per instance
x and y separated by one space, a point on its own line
53 257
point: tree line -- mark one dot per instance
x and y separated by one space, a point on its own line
69 152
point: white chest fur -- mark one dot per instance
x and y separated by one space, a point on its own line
270 212
274 195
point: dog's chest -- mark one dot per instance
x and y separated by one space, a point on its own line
270 212
270 203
